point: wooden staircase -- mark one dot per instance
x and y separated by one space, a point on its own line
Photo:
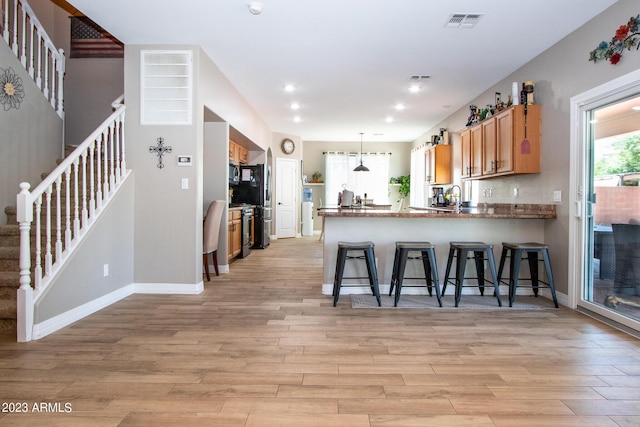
10 267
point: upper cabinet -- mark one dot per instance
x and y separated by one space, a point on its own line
507 143
238 154
438 164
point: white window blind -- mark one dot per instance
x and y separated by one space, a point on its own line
339 171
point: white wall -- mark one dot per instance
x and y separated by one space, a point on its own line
559 73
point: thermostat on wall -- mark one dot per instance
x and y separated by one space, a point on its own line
184 160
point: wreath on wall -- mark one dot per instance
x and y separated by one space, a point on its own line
626 37
11 90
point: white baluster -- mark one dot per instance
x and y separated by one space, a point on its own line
39 62
98 151
52 97
45 91
112 151
48 257
15 26
60 69
38 244
67 192
116 136
105 159
23 56
31 48
85 212
92 199
123 162
58 221
6 21
76 200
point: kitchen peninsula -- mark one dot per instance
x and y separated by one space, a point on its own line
490 223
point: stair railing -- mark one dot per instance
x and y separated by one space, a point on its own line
31 44
63 207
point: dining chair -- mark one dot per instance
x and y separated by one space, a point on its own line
211 235
626 238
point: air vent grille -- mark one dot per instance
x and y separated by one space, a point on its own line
419 78
463 20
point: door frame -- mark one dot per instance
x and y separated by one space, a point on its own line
580 206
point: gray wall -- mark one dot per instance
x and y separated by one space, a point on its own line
168 220
81 280
559 73
28 147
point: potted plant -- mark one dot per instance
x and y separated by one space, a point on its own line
404 186
316 177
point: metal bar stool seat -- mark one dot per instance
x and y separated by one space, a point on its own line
516 252
481 252
345 252
428 257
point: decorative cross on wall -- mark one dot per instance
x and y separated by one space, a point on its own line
160 149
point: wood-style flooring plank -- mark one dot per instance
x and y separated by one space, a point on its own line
261 346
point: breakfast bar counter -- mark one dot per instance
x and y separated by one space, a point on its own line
490 223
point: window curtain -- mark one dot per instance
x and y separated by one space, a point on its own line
339 174
418 187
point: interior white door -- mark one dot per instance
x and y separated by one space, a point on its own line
286 198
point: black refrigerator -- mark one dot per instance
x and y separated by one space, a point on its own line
255 189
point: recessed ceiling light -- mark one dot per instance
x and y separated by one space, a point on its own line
400 107
255 7
636 108
389 119
297 119
289 88
414 88
295 106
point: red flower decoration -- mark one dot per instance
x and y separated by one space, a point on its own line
615 58
621 33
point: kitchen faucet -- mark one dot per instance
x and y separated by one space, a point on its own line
457 199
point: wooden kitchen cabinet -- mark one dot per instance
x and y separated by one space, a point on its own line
438 167
505 144
233 152
234 224
243 155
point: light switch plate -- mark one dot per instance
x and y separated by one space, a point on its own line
557 196
185 183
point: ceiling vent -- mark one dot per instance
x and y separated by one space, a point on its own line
419 78
463 20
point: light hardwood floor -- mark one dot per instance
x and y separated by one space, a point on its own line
262 347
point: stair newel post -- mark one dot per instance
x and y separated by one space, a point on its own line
58 219
25 292
92 183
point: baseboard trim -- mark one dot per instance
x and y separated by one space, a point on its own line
49 326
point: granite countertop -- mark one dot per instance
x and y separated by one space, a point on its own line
483 210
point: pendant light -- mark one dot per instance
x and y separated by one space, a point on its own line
361 168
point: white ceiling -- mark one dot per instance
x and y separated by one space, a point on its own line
351 60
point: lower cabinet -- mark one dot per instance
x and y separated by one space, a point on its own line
234 224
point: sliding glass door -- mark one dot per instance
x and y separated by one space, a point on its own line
607 206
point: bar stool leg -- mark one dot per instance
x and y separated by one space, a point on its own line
426 265
479 260
373 274
394 272
461 262
448 270
547 266
341 259
503 258
532 257
402 264
494 276
514 272
432 273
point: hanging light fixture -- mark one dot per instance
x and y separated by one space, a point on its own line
361 168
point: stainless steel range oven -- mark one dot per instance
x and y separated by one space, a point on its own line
247 218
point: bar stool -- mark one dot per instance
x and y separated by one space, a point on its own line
515 252
368 254
481 252
428 257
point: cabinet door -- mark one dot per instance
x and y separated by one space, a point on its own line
237 237
233 152
504 141
465 142
243 155
476 150
489 159
230 240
